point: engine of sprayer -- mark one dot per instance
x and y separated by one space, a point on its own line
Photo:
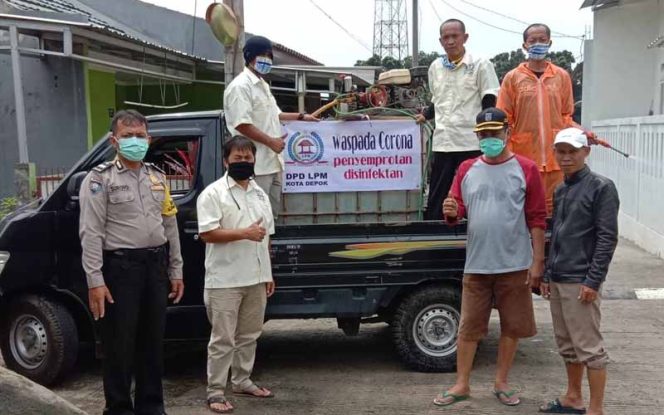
405 89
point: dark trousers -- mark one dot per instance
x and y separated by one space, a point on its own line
443 168
132 331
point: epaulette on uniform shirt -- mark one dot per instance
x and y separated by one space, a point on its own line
154 166
103 166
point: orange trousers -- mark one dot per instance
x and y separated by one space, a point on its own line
551 180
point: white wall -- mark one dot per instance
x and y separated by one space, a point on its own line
621 76
659 66
639 178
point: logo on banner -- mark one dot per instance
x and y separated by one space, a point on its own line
305 148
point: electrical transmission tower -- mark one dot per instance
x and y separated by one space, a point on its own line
390 29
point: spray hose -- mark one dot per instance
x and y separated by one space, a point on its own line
605 144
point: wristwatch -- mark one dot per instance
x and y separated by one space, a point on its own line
301 116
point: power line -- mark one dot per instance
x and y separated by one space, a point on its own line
480 21
558 34
355 38
440 20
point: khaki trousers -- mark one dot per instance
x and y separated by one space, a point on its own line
271 184
576 326
236 316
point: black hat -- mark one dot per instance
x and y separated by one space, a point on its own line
490 119
256 45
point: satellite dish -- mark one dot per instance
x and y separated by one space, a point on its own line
223 23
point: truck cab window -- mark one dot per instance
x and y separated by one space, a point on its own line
178 157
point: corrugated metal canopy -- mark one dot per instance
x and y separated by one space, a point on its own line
99 21
42 8
598 3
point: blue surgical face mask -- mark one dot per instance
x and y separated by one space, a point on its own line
492 146
447 63
133 148
263 65
538 51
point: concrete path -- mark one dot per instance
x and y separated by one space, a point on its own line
314 369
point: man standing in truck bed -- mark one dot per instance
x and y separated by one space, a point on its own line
461 86
252 111
538 100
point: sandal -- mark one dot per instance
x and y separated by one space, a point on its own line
221 400
556 407
448 398
251 392
505 397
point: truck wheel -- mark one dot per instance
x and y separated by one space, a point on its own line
39 339
425 327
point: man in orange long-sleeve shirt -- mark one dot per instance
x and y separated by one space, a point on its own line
538 100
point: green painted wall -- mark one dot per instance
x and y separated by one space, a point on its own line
100 96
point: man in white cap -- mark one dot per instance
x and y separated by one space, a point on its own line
583 239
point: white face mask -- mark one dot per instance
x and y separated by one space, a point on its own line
263 65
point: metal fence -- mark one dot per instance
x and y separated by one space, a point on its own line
47 181
639 178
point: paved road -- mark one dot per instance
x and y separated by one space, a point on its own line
314 369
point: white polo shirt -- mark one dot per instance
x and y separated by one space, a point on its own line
457 97
248 100
240 263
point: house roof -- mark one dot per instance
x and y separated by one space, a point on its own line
101 22
598 3
42 9
58 6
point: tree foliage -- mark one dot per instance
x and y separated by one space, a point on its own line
503 62
388 62
506 61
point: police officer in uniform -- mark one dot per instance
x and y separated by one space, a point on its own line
132 261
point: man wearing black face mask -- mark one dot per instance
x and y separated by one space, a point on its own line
235 221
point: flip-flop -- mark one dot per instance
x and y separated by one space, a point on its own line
508 395
219 399
555 407
448 398
250 392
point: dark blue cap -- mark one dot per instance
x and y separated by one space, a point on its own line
490 119
255 46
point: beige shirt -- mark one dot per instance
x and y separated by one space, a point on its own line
126 209
457 97
248 100
225 204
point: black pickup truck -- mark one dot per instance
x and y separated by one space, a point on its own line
356 257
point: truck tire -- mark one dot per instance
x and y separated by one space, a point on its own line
425 327
39 339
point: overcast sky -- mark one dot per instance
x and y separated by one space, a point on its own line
302 26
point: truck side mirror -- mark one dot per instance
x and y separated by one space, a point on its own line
74 184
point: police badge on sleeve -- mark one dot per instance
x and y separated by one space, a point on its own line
95 187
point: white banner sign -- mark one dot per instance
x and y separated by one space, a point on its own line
350 156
